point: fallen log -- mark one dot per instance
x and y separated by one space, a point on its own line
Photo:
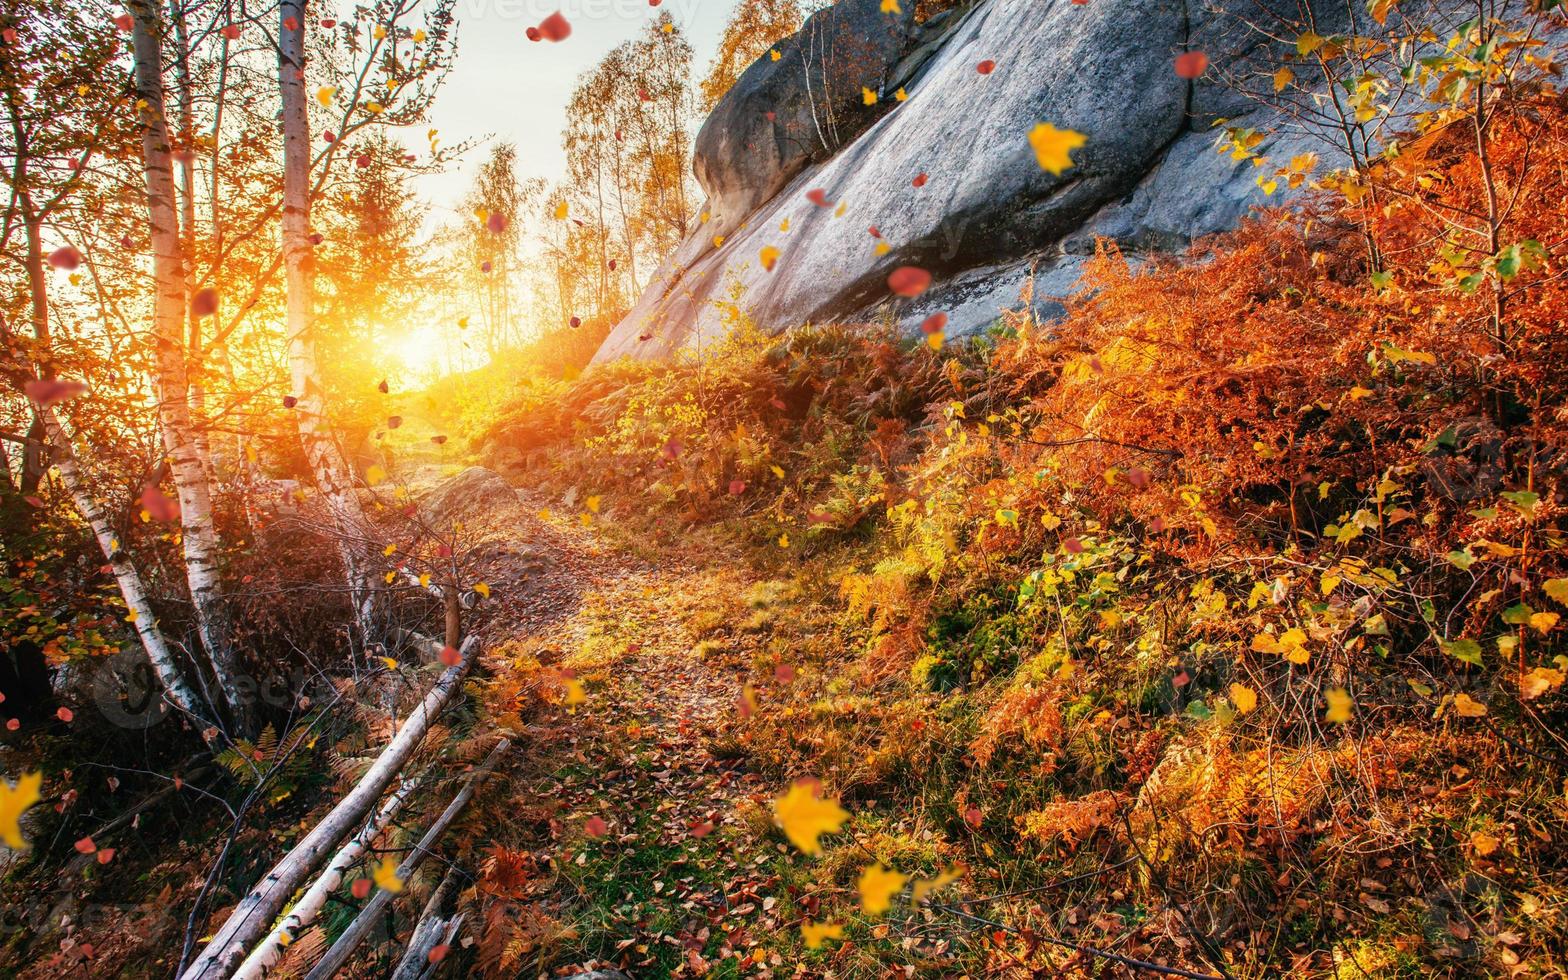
272 948
434 929
255 912
371 913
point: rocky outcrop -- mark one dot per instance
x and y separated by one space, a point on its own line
985 216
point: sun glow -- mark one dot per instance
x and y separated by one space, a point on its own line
422 351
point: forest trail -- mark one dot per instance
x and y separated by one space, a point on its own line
637 824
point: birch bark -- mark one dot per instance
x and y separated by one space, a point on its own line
198 533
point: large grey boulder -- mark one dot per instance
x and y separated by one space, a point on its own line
987 213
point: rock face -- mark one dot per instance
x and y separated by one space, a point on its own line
985 215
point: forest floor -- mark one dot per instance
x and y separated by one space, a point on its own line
651 838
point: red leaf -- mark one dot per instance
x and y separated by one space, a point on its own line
328 23
533 33
49 390
290 24
65 257
106 855
595 827
908 280
496 223
360 888
289 401
158 505
394 421
85 846
555 28
702 830
124 22
784 674
1191 64
65 714
934 323
737 487
437 953
451 656
973 817
986 67
204 303
13 725
231 31
920 180
575 322
819 197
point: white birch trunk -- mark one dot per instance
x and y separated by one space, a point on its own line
368 916
126 576
327 464
190 477
254 913
304 911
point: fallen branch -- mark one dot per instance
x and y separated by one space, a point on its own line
433 929
272 949
371 913
255 912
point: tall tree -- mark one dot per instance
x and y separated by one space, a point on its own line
754 27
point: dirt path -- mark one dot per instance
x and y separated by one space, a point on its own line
647 837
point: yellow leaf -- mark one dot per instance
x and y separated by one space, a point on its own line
891 7
883 248
1339 705
718 240
324 95
926 886
390 663
1052 146
385 875
1538 681
561 210
1243 697
389 550
934 340
1557 588
1308 42
901 95
877 886
390 577
592 503
1543 621
867 96
1467 707
544 514
14 801
1357 393
424 580
778 471
1484 843
375 475
805 816
374 108
769 257
774 54
419 37
379 32
784 540
483 589
1283 78
814 934
574 692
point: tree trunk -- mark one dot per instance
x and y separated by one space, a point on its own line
433 929
125 574
190 478
371 913
254 913
304 911
327 464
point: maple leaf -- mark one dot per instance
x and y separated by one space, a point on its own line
769 257
923 888
815 934
1339 705
483 589
14 801
385 875
1052 146
1243 697
877 886
805 816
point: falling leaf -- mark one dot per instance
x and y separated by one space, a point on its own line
769 257
14 801
867 96
816 934
774 54
575 694
450 656
379 32
555 28
805 815
158 505
877 886
595 826
1282 79
925 887
385 875
65 257
388 662
1243 697
1339 705
49 391
64 714
986 67
325 94
908 280
1191 64
375 475
901 96
784 540
360 889
819 197
1052 146
483 589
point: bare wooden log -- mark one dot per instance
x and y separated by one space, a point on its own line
270 951
255 912
434 929
357 930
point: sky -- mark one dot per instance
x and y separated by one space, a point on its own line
510 88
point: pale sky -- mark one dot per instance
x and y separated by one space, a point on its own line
516 89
